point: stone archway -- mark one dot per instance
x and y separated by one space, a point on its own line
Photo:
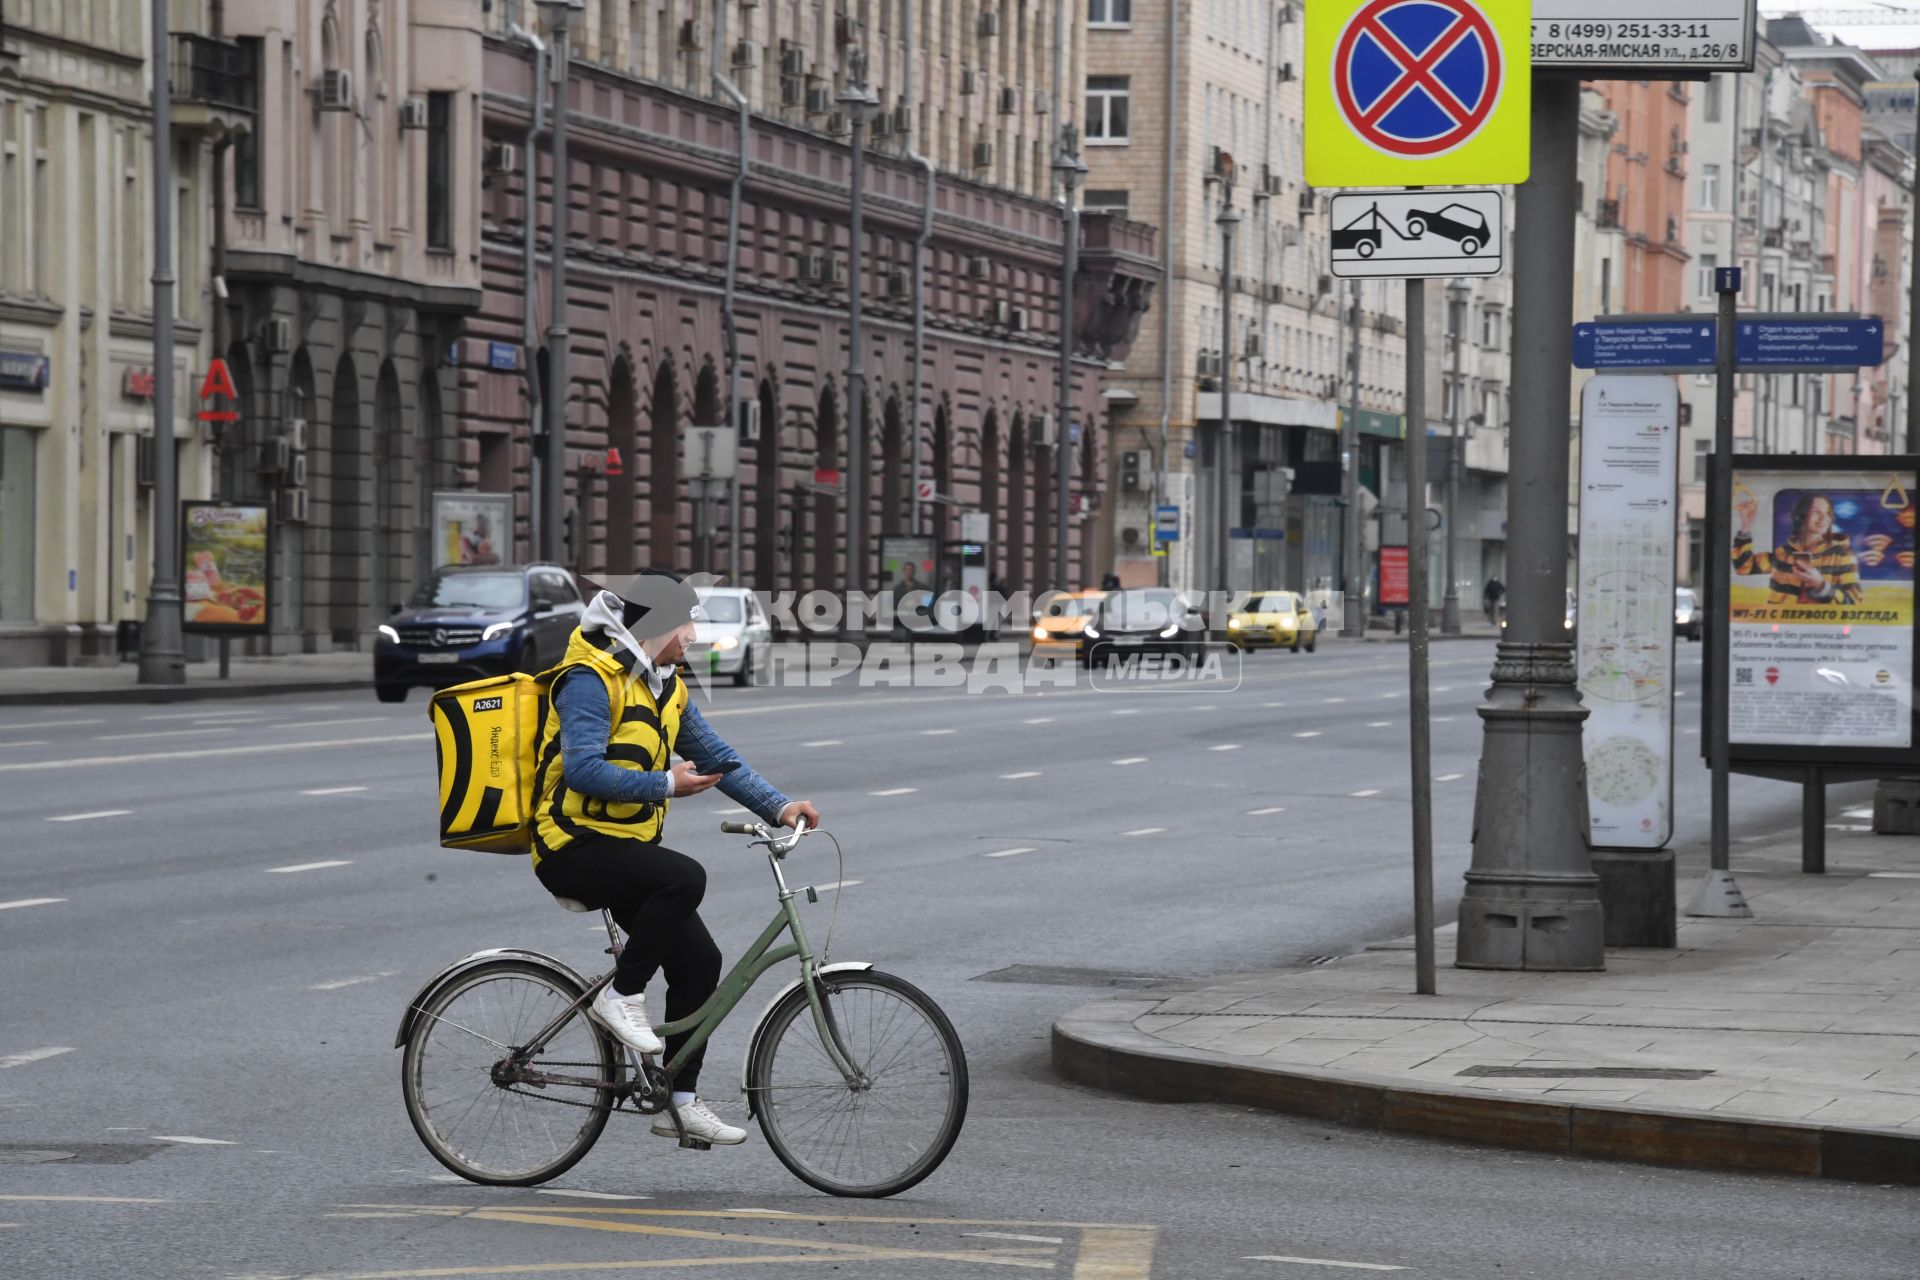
989 496
1014 502
893 471
766 492
623 490
826 504
936 519
391 501
709 410
346 507
663 469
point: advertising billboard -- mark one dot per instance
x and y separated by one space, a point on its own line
224 563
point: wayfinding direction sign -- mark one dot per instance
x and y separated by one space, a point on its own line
1417 92
1649 36
1808 342
1645 342
1403 234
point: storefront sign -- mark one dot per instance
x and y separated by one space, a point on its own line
215 388
1393 577
471 528
225 557
138 384
24 371
1644 35
1629 478
1821 608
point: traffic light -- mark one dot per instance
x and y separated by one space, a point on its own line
1130 469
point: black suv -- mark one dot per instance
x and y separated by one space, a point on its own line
468 621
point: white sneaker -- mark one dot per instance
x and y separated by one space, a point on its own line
626 1018
702 1124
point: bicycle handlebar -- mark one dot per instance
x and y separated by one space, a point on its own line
740 828
779 845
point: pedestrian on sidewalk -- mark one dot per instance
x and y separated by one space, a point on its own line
1490 597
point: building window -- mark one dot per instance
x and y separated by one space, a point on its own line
1107 102
1710 100
1709 186
16 524
1114 202
246 147
1109 13
1702 455
439 171
1491 328
1490 405
1709 263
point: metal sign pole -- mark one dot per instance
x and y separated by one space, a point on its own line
1417 539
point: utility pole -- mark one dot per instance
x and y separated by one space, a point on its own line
1532 900
1071 171
1457 322
553 470
529 276
1353 613
1419 696
162 657
1228 221
857 101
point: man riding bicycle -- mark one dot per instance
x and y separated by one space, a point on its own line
617 712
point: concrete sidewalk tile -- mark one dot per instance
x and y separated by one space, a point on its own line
1775 1105
1687 1095
1315 1053
1581 1093
1884 1110
1270 1003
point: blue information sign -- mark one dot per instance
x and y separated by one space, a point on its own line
1809 342
1655 343
503 355
1166 523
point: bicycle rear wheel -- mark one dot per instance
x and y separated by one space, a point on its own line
462 1076
873 1141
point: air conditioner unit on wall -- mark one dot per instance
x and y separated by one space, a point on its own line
836 273
979 266
1009 102
749 421
837 124
845 31
969 81
296 434
793 60
1044 431
813 268
819 100
693 34
989 24
413 113
276 335
293 506
792 92
745 54
983 155
899 283
502 158
336 90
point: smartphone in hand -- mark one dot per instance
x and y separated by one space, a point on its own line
726 766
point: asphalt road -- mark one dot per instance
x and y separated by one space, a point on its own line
242 896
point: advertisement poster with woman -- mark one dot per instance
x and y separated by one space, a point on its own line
1821 609
224 576
471 528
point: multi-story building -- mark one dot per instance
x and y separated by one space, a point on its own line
76 317
655 147
1177 119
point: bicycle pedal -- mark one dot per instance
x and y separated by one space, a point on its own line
696 1144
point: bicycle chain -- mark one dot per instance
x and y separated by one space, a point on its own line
569 1102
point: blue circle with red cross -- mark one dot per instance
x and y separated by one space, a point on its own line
1417 78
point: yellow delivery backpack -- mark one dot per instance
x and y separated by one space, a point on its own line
486 733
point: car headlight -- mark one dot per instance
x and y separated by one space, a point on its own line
724 643
495 631
1568 624
1091 632
389 633
1234 624
1173 629
1039 633
1679 615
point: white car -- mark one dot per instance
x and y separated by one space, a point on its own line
733 639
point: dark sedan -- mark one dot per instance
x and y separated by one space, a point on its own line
470 621
1155 619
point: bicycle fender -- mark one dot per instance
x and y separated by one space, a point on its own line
753 1042
474 961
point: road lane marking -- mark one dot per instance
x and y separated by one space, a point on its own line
31 1055
309 866
30 902
1261 813
1308 733
319 724
1039 720
1443 688
1856 813
30 742
824 742
728 813
1361 795
1379 724
837 884
1015 777
330 791
1441 719
67 724
1010 1235
1273 704
203 753
895 791
1225 746
1333 699
1110 1254
1391 693
97 813
81 1200
586 1195
1321 1262
1893 875
347 982
935 733
206 715
1131 760
184 1140
1450 777
1145 831
1126 711
1007 853
155 733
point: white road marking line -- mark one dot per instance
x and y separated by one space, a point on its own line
895 791
31 1055
728 813
1024 773
254 749
318 724
1144 831
1039 720
1391 693
1856 813
1010 1235
97 813
1320 1262
1273 704
331 791
1208 707
347 982
585 1195
837 884
1450 777
1007 853
317 706
1442 688
1679 693
1361 795
204 714
1270 809
191 1142
1131 760
1126 711
1441 719
83 1199
30 742
824 742
1379 724
155 733
783 1213
1893 875
309 866
935 733
1691 733
1308 733
1225 746
1333 699
30 902
67 724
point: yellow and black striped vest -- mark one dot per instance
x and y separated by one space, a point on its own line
644 731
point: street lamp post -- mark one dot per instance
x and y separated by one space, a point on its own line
858 102
1457 322
553 472
1353 623
162 657
1071 171
1228 221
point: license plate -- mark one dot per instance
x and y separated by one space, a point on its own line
438 658
1128 639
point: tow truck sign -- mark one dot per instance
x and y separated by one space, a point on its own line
1438 233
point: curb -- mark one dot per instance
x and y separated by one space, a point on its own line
202 691
1096 1045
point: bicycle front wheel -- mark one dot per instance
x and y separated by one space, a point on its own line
485 1108
876 1138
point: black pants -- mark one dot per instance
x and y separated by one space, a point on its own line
654 894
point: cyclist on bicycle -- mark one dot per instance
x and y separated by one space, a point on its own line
618 711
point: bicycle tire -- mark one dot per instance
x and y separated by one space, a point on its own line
422 1048
787 1050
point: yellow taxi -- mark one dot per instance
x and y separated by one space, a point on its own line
1272 620
1060 621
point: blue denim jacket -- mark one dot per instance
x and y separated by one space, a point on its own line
586 726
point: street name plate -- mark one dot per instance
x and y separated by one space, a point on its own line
1789 343
1436 233
1657 343
1650 36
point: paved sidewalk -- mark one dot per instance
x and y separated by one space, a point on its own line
120 682
1788 1043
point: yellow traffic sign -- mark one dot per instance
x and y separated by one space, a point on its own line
1410 93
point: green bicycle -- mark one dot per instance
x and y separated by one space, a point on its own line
856 1076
